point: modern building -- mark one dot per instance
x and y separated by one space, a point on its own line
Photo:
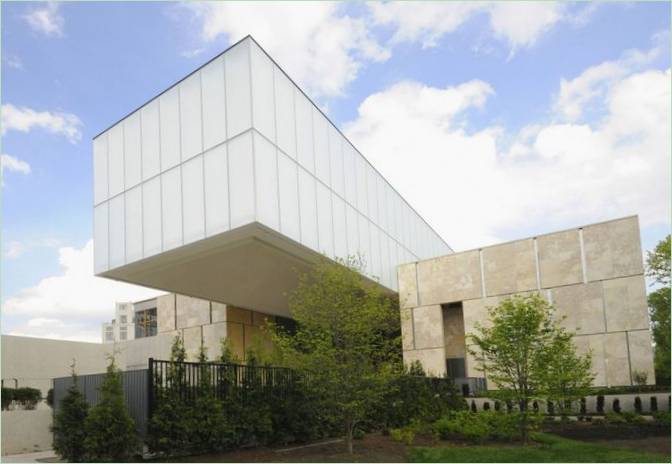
231 182
132 320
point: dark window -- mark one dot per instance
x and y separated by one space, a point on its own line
455 367
145 323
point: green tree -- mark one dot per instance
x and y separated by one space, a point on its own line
347 341
68 425
110 431
513 350
566 376
658 268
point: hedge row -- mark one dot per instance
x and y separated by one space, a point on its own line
25 397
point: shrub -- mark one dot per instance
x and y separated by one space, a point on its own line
68 430
110 431
662 418
404 435
614 418
7 397
25 397
50 398
480 426
633 418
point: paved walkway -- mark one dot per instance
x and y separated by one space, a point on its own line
40 456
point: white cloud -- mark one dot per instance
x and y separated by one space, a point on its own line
46 19
25 119
552 176
15 248
593 83
75 292
321 47
11 163
520 24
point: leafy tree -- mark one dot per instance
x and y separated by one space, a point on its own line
347 341
227 356
658 267
110 431
69 433
566 376
514 348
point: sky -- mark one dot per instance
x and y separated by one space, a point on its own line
496 121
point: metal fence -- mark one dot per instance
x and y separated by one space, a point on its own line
135 384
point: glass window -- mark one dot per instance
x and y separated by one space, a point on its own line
122 319
145 323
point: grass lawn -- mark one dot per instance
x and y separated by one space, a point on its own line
549 448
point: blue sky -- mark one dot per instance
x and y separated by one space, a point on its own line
496 121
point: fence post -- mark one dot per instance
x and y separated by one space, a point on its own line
150 389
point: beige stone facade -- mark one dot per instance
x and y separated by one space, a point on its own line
593 275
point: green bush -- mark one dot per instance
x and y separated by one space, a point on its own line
614 418
110 431
68 430
633 418
405 435
25 397
476 427
7 397
662 418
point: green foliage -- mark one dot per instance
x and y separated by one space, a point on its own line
639 378
552 449
405 435
477 427
614 418
658 262
110 431
528 356
347 339
50 398
658 268
68 430
662 418
227 356
24 397
633 418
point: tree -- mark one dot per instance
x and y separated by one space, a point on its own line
566 376
346 344
658 268
110 430
68 427
521 348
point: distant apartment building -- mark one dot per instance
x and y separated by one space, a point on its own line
131 321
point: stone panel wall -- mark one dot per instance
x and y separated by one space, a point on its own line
593 275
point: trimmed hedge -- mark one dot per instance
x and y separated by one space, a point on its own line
25 397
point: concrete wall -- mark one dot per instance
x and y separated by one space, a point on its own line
26 431
33 362
593 275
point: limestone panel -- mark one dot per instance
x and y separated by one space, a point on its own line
451 278
593 344
432 360
408 290
165 313
234 333
453 332
641 354
212 338
428 325
191 312
625 303
616 359
240 315
192 342
613 249
510 268
218 312
581 306
560 259
476 311
471 365
406 316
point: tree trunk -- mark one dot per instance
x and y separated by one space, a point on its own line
349 427
523 421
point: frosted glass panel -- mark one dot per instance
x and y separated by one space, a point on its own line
371 190
100 169
364 241
170 129
151 161
132 142
266 172
389 209
133 224
324 224
262 92
171 206
289 197
190 116
284 113
353 234
384 259
340 231
308 211
382 203
349 173
375 251
304 131
321 138
360 174
216 191
100 242
241 178
214 103
192 200
115 160
336 157
238 104
151 216
117 247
